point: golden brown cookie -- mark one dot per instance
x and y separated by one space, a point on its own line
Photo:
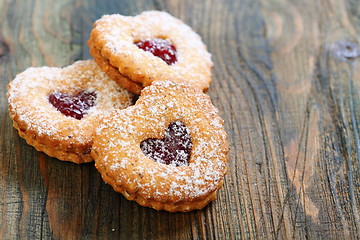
57 110
114 73
169 151
152 46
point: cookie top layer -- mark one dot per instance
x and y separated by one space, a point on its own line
122 163
115 37
34 115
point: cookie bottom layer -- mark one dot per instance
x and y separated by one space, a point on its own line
54 150
181 206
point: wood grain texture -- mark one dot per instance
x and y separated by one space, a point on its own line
287 83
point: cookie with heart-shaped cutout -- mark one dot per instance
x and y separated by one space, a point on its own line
169 151
152 46
57 110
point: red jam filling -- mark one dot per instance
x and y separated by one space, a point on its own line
159 47
75 106
173 149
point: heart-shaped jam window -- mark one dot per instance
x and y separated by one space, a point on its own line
70 105
159 47
174 149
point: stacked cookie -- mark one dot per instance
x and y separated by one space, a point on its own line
168 150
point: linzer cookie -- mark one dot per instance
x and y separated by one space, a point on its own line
152 46
57 110
169 151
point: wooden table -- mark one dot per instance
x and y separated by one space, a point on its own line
286 80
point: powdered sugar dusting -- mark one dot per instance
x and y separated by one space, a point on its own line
158 106
29 104
117 35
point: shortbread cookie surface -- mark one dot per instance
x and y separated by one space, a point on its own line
169 151
57 110
137 47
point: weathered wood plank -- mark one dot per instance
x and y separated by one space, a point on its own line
303 37
286 81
